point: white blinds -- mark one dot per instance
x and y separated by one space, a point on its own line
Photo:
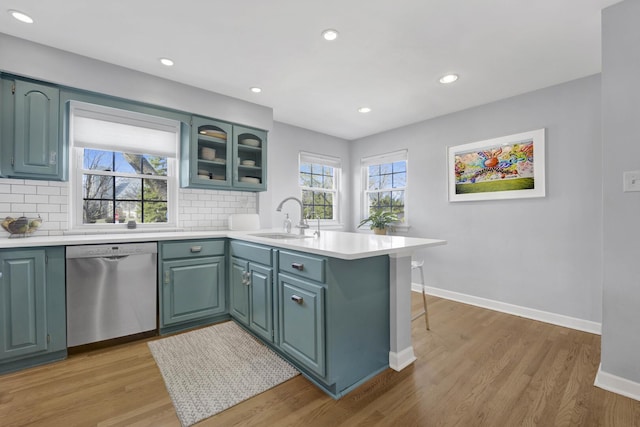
320 159
396 156
112 129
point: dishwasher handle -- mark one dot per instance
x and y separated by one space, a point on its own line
196 249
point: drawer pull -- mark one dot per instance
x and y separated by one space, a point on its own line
297 266
297 299
196 249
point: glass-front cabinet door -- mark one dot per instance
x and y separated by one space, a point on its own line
250 151
210 156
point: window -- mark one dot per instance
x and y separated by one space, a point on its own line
123 167
385 184
319 183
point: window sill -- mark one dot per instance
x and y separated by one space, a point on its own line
81 231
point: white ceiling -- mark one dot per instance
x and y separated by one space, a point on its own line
389 56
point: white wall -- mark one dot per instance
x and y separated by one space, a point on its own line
543 253
285 143
620 121
40 62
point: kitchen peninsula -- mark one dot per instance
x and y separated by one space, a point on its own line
330 275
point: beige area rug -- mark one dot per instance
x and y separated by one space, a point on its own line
209 370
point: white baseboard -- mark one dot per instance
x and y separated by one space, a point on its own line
528 313
402 359
617 384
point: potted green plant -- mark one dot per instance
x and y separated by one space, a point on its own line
380 221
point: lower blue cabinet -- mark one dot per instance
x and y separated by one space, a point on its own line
32 307
302 322
192 283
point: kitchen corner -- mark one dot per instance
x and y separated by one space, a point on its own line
368 273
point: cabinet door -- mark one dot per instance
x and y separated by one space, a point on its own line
301 322
192 289
23 325
209 154
239 290
36 141
250 159
261 300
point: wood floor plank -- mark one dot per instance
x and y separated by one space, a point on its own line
475 367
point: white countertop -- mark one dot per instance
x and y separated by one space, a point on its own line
335 244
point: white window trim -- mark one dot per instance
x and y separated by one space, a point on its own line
76 162
365 162
336 164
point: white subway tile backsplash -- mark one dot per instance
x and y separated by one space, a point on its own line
198 210
53 191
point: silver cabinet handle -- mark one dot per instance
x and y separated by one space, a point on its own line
167 277
0 274
196 249
297 299
246 278
297 266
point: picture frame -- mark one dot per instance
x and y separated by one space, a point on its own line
507 167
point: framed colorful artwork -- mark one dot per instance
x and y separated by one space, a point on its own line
508 167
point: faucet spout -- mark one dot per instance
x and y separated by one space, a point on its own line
303 222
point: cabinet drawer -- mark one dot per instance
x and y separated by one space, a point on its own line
192 248
251 252
307 266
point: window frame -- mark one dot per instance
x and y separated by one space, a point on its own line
77 170
325 161
380 159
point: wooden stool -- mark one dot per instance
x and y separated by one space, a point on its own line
418 265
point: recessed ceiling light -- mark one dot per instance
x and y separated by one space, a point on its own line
330 34
22 17
166 61
449 78
256 89
364 110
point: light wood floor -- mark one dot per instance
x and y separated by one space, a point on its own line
475 367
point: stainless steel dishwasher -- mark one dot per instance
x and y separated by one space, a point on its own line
111 291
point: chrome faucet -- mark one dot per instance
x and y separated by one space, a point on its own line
303 222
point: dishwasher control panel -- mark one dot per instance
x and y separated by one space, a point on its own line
110 250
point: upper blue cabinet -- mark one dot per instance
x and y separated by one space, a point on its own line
31 144
224 156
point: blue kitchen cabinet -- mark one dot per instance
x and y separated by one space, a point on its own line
207 156
302 311
192 284
252 290
32 307
333 318
223 156
250 159
31 144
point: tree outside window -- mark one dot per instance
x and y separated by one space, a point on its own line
386 184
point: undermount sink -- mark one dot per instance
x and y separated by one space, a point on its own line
281 236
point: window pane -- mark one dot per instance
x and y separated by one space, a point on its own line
385 181
154 165
328 198
316 181
305 180
127 163
398 198
400 166
127 211
154 212
97 160
374 170
307 197
374 182
155 189
328 182
305 167
385 168
128 188
373 199
97 187
399 180
316 169
385 200
328 171
97 212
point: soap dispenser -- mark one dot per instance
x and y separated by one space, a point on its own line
287 224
